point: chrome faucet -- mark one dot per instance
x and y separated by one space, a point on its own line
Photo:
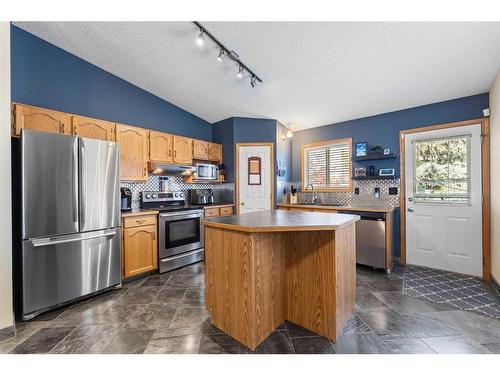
315 196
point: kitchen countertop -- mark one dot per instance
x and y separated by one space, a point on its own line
281 221
139 212
336 208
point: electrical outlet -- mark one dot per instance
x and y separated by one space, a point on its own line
393 191
356 190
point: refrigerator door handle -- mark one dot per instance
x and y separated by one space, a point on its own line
74 182
83 179
55 241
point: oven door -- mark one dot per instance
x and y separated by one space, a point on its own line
180 232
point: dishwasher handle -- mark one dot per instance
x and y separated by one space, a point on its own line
364 215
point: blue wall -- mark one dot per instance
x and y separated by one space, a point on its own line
241 130
384 129
47 76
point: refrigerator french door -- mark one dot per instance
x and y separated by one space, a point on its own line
70 219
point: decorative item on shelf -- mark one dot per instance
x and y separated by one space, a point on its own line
387 151
361 148
360 172
376 150
222 170
254 170
371 170
386 172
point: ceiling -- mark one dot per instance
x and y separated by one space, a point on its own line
314 73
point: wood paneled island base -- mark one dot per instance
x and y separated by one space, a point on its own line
265 267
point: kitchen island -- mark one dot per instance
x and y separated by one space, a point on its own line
268 266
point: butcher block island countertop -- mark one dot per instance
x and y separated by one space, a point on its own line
266 267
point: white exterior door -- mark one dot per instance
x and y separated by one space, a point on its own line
444 199
252 195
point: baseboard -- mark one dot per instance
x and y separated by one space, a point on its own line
7 333
495 285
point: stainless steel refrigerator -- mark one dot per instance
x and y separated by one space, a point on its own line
70 219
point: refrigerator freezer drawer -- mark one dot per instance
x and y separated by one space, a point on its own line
59 269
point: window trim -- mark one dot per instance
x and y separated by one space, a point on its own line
321 143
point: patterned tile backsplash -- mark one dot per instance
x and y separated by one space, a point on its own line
222 192
364 198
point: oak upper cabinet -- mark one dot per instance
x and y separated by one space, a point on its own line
133 152
40 119
160 147
92 128
182 150
139 245
215 152
200 149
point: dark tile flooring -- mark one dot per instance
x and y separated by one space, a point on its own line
166 314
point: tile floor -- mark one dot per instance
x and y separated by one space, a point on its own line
166 314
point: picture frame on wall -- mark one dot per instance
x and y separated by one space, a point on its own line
361 148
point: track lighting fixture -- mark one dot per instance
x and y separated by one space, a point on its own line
221 55
199 39
224 51
240 72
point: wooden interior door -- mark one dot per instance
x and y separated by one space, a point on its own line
200 149
139 250
92 128
160 146
40 119
183 150
133 152
215 152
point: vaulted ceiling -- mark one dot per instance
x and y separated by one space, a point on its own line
314 73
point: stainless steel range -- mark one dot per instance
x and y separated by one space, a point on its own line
180 229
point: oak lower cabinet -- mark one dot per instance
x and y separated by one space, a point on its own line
183 153
160 146
139 245
134 152
215 211
215 152
200 149
91 128
39 119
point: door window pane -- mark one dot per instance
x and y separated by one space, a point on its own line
442 170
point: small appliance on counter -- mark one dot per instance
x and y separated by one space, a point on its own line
293 195
202 196
180 229
126 199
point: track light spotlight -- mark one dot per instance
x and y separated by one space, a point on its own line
221 56
200 40
253 81
240 72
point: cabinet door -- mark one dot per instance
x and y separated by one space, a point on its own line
133 152
40 119
182 150
200 149
160 146
215 152
92 128
140 253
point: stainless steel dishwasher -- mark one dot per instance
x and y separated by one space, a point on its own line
370 238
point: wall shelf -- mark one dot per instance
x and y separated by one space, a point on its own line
374 157
362 178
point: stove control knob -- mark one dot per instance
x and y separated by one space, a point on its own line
148 196
176 195
153 196
181 195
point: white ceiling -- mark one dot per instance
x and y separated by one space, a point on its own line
314 73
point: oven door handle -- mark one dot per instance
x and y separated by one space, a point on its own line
168 217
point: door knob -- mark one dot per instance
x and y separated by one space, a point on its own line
410 209
242 203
